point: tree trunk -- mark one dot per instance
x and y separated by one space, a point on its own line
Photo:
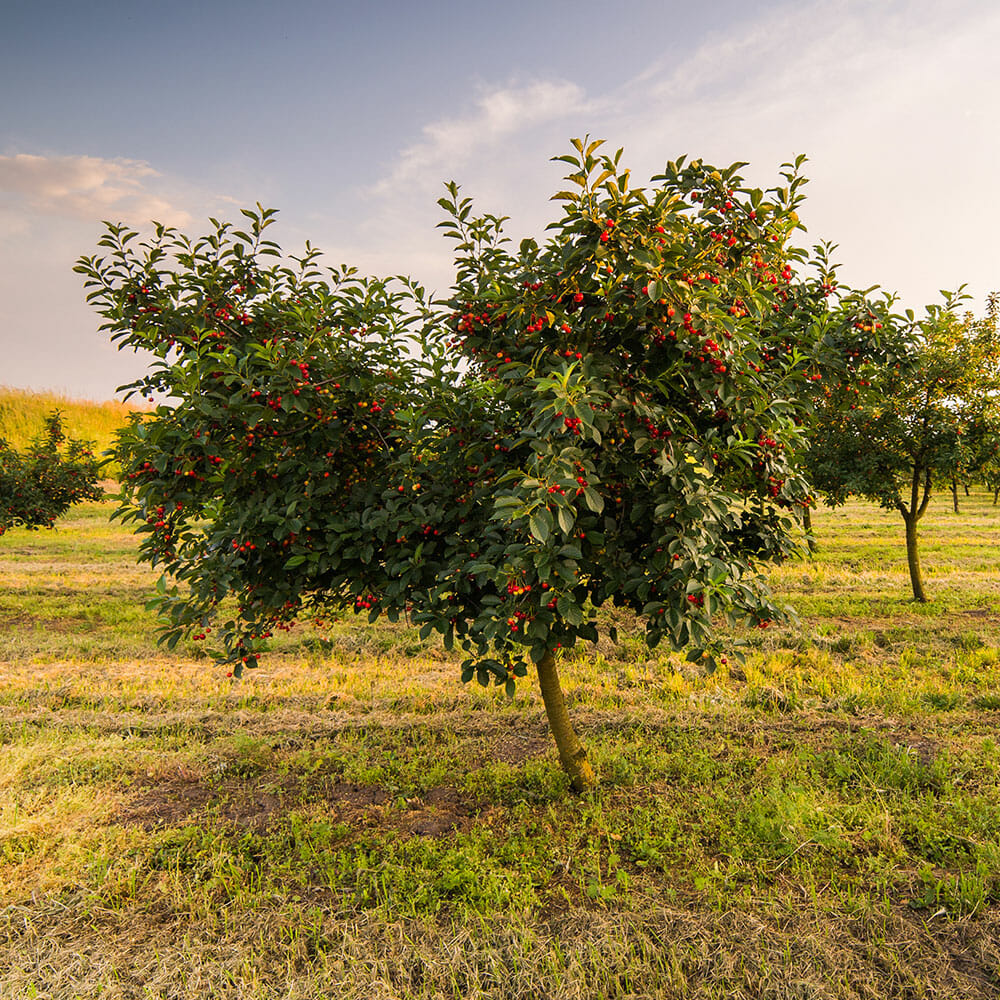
954 494
920 495
966 486
913 559
996 493
807 526
572 756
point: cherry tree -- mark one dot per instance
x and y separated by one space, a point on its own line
42 483
605 418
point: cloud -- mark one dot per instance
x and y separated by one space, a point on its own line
892 103
86 188
835 78
497 114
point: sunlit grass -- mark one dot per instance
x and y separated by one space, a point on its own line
23 413
815 821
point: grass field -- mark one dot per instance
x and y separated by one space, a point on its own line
824 822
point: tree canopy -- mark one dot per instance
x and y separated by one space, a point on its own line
605 418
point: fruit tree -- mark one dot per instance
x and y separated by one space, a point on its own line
901 416
42 483
602 419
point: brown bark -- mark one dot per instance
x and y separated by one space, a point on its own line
572 755
954 494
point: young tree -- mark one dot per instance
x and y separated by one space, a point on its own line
898 421
41 484
604 418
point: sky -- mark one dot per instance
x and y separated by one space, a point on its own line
348 117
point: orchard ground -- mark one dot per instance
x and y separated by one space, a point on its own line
823 822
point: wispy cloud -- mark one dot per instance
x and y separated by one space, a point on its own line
892 102
497 114
86 187
838 76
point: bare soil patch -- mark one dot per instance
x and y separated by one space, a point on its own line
263 802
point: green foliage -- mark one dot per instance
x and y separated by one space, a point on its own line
605 418
42 483
910 403
913 410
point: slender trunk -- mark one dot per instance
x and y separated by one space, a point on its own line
572 756
966 486
954 494
913 558
807 526
920 495
996 493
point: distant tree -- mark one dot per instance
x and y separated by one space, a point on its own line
991 480
40 484
603 419
898 420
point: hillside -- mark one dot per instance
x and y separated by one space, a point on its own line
22 415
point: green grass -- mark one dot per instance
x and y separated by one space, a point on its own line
822 822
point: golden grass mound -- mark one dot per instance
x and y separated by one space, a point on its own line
23 412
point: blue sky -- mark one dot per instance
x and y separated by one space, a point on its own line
349 116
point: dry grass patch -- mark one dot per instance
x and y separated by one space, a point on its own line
656 952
